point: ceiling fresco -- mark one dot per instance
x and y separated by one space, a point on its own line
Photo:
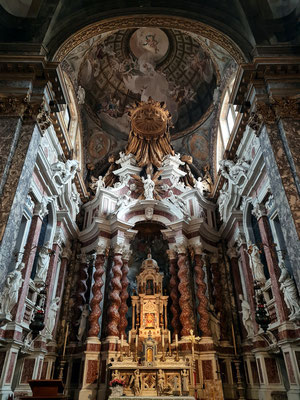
120 68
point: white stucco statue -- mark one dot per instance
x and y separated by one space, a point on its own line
215 324
234 171
148 187
289 290
246 316
51 318
80 95
257 265
64 172
221 202
83 322
10 293
178 202
185 380
42 264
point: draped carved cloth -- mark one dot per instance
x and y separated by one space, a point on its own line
149 139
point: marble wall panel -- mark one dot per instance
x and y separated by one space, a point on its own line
27 371
280 197
9 134
289 366
19 179
92 371
272 370
207 370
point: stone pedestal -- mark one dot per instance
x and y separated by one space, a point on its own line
91 369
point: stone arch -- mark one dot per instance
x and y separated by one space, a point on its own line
136 21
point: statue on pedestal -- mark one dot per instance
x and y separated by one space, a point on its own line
257 265
148 187
42 264
160 382
290 293
185 381
246 314
51 319
10 293
82 322
136 381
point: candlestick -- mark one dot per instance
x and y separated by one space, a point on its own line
233 340
169 338
65 341
122 339
176 340
162 339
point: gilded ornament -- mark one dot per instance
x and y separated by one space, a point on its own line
149 139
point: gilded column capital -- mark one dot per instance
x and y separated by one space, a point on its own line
232 253
172 254
126 253
67 251
181 248
198 249
259 210
102 249
214 258
118 248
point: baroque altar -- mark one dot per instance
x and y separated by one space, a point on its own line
149 364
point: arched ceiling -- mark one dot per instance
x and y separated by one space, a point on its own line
117 68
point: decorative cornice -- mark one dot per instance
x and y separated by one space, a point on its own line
136 21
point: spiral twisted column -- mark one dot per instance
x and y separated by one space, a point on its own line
124 293
174 293
81 289
184 287
97 292
201 290
216 266
114 296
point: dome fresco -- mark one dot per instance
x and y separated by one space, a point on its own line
132 65
118 69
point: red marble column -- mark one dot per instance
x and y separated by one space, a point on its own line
52 270
30 250
260 212
114 296
185 301
97 293
174 293
248 277
81 288
65 258
218 291
238 290
201 292
124 293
